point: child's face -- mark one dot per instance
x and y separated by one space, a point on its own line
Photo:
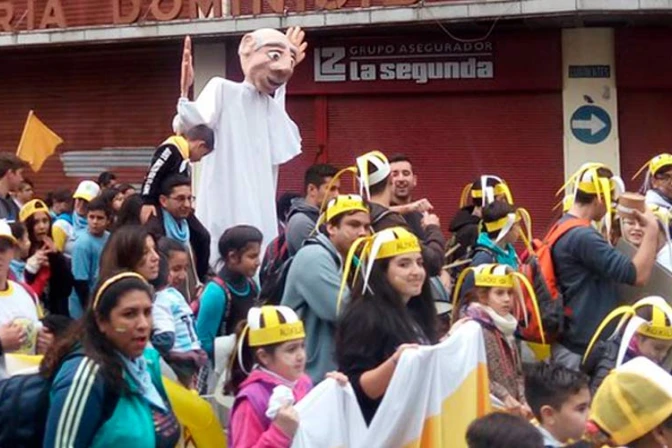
654 349
178 264
288 360
97 222
500 300
568 422
247 261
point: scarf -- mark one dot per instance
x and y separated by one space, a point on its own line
79 222
18 268
502 256
178 231
505 324
137 369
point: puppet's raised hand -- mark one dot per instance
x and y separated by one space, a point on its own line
187 78
296 36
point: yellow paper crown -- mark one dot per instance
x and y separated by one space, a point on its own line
404 242
632 401
499 188
505 224
500 276
364 251
588 180
342 204
654 165
32 207
273 325
659 327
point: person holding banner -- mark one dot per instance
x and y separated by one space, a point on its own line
491 304
271 345
391 310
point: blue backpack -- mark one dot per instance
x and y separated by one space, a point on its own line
24 406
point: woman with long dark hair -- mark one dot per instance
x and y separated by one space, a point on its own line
107 388
129 213
130 248
391 309
52 281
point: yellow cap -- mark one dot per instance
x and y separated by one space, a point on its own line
32 207
273 325
632 401
6 231
87 190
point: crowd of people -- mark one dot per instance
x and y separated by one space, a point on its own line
113 285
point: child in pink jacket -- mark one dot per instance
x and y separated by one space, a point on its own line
272 344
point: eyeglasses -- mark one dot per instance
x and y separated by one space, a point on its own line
664 177
182 198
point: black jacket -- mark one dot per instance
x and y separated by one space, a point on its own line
166 161
464 227
433 244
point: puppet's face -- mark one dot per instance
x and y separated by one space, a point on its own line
267 58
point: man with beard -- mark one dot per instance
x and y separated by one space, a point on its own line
404 181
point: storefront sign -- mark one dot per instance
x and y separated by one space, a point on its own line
589 71
420 62
19 15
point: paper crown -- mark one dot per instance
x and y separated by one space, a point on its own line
500 276
273 325
654 165
381 171
632 401
112 280
364 251
588 180
343 203
659 327
32 207
486 192
87 190
506 223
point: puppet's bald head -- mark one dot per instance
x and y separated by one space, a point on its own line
267 58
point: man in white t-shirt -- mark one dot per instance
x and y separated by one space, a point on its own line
20 328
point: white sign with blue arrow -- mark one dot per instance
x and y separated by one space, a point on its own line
591 124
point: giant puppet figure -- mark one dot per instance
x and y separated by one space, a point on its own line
253 133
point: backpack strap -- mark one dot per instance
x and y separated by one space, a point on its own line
560 228
227 292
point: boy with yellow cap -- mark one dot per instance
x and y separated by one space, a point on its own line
314 278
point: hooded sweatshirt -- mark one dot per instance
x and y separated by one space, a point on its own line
655 197
249 427
313 283
301 221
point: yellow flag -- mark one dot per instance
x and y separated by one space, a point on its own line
37 143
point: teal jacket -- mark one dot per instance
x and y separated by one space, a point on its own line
80 415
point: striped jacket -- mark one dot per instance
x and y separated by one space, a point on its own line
84 413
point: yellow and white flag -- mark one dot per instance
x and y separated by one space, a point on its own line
37 143
435 393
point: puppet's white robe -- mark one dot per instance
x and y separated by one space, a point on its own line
253 136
